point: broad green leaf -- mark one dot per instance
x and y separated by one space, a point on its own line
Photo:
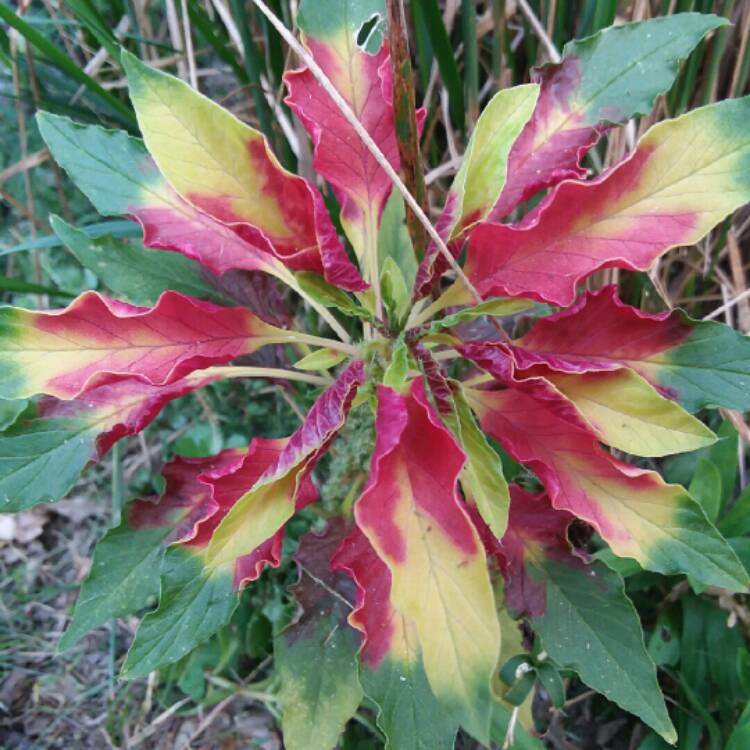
408 713
134 273
316 654
40 460
705 487
193 605
9 411
589 625
124 578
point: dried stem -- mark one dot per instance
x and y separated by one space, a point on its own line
405 119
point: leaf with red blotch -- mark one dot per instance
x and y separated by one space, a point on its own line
96 340
391 665
639 515
683 178
698 363
197 597
124 575
411 513
268 501
582 94
41 458
227 170
316 653
580 610
364 81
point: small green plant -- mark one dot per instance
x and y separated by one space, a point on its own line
403 591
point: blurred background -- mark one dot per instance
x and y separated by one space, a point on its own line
63 56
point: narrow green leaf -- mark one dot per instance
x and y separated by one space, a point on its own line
396 296
443 51
321 291
397 372
113 228
482 477
322 359
65 64
18 286
497 307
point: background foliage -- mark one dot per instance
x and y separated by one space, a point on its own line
62 56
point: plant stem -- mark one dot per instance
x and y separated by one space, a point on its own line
283 274
405 120
265 372
370 144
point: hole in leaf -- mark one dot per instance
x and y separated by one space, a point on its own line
367 30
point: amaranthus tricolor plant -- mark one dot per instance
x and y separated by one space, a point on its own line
402 593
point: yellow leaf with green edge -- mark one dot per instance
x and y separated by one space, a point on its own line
411 514
481 178
628 414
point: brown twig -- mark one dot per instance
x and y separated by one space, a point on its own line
405 120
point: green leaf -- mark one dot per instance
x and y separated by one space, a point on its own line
9 284
101 162
134 273
62 61
589 625
10 411
481 178
740 737
482 477
396 296
320 290
496 307
124 578
430 14
41 459
324 19
397 372
194 604
705 487
624 68
316 655
408 713
322 359
394 241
